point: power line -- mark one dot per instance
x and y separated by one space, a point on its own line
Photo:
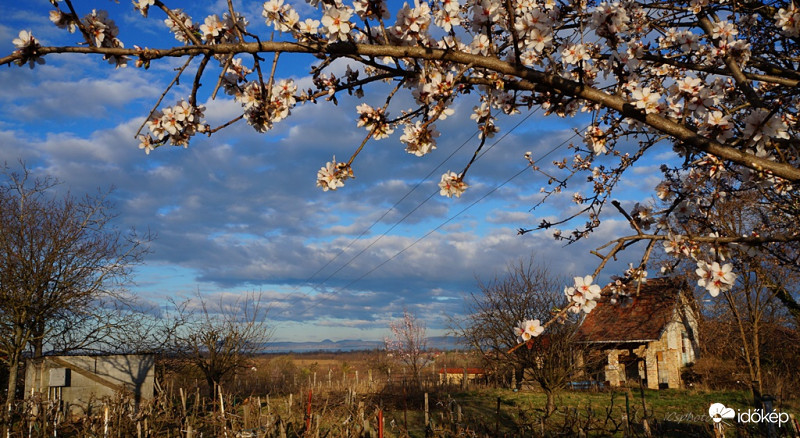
385 213
417 185
419 205
450 219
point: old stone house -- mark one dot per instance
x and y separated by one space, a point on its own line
82 382
646 336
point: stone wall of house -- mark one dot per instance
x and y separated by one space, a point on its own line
663 358
658 362
662 365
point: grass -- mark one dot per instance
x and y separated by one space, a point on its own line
674 412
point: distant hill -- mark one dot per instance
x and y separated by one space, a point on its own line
434 343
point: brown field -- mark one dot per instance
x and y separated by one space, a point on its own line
348 392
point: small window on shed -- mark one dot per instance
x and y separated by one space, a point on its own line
59 377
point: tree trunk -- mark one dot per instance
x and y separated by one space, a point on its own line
37 333
550 404
38 347
212 386
13 370
14 358
745 346
757 354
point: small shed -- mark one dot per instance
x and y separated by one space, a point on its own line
79 381
647 335
456 375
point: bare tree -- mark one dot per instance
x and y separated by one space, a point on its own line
60 258
764 292
748 312
409 343
527 291
220 338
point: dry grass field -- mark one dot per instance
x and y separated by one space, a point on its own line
348 394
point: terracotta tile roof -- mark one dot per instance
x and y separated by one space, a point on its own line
640 318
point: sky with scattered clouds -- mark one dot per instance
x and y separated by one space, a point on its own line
240 212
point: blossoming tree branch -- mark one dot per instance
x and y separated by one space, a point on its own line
716 80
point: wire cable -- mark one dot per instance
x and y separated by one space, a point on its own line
426 235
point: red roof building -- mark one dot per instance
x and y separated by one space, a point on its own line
456 375
648 334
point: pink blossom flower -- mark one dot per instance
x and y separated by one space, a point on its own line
574 54
789 20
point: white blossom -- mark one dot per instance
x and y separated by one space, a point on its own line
528 329
420 138
335 23
715 278
583 294
789 20
27 45
333 174
452 185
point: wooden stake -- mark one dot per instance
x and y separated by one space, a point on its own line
645 426
308 413
183 401
427 418
259 411
497 419
405 407
222 412
105 422
380 423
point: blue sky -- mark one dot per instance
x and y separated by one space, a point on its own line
240 212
